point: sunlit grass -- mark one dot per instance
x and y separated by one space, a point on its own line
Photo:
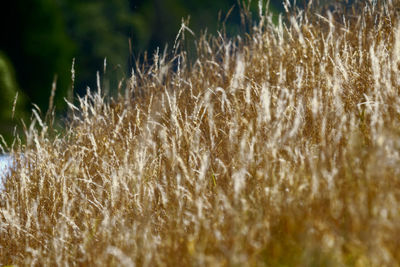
276 148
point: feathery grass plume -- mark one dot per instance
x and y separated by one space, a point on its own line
277 147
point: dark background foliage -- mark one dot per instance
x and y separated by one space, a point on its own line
40 38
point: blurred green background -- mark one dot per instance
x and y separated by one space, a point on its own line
40 38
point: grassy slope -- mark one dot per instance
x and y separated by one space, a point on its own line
280 147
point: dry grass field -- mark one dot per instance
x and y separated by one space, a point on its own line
279 147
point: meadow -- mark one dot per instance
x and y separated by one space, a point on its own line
278 147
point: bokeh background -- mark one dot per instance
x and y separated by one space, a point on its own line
40 38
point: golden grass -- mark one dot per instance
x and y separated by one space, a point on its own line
280 147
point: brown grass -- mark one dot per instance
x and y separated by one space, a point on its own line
280 147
